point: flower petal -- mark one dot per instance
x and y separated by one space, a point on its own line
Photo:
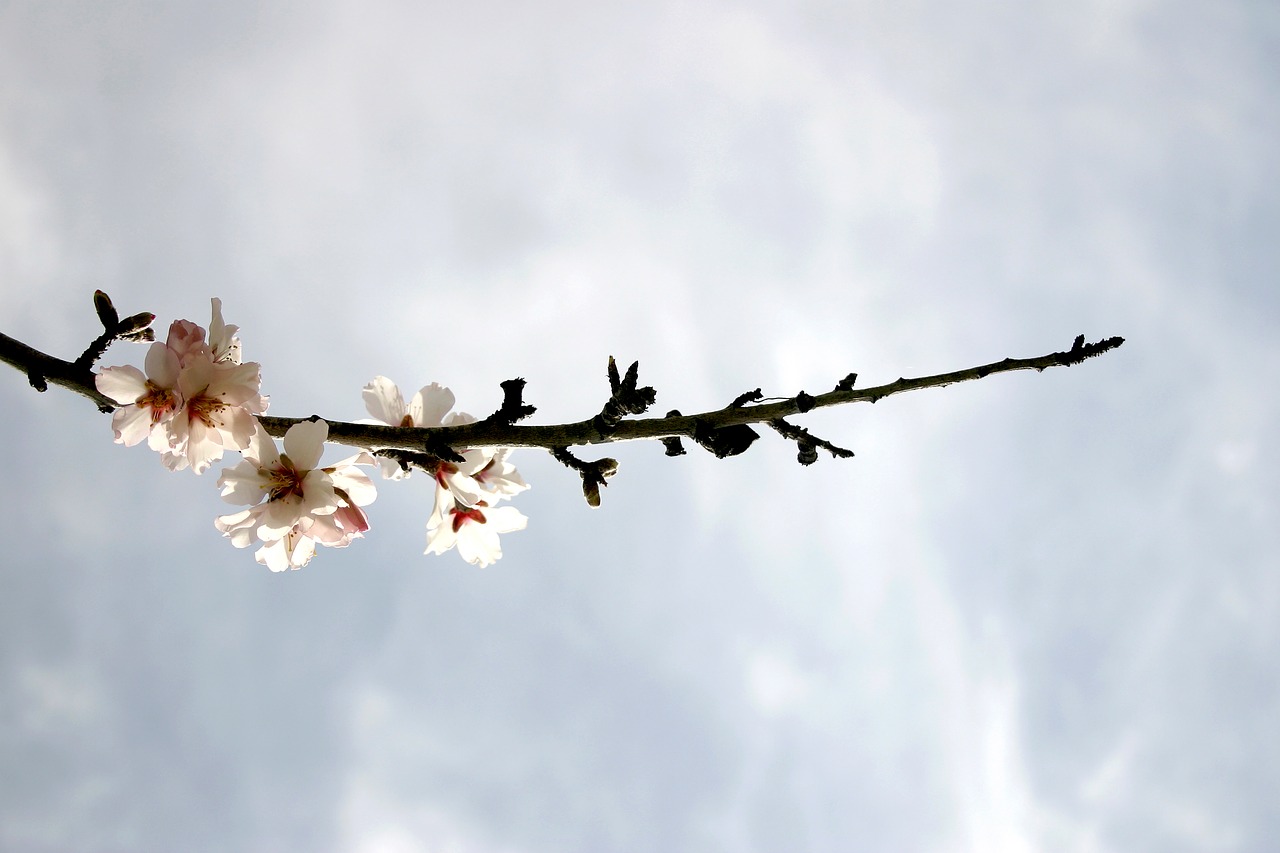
430 405
383 400
123 384
162 365
304 442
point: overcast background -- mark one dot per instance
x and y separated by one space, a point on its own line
1036 613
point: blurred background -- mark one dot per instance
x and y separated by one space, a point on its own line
1034 613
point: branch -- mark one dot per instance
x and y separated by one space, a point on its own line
42 368
78 375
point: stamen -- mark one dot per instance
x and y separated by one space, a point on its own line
283 481
161 401
203 408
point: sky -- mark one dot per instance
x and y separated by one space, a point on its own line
1033 613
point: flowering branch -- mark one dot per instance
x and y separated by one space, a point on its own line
197 400
497 432
704 424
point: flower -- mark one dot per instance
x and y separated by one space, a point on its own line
224 346
385 403
473 529
499 476
303 504
220 403
148 402
466 492
195 400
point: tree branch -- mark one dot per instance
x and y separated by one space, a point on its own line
42 368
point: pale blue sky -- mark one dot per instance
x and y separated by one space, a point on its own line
1036 613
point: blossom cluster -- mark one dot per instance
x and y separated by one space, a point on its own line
197 400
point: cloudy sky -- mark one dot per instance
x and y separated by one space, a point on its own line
1036 613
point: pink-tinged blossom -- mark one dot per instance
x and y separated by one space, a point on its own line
292 503
147 401
196 400
218 415
186 339
473 530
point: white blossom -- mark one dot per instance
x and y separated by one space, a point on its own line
293 504
472 529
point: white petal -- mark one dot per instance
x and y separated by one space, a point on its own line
304 443
223 343
317 494
273 556
478 544
505 519
430 405
243 484
237 426
131 424
122 384
383 400
355 483
262 448
162 365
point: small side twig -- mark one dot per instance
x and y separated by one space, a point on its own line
513 406
134 328
807 442
593 473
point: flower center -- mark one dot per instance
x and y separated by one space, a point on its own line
463 514
443 469
203 408
161 401
284 480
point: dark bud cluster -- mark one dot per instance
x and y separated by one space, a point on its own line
626 399
846 384
1080 350
725 441
513 406
136 327
672 443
